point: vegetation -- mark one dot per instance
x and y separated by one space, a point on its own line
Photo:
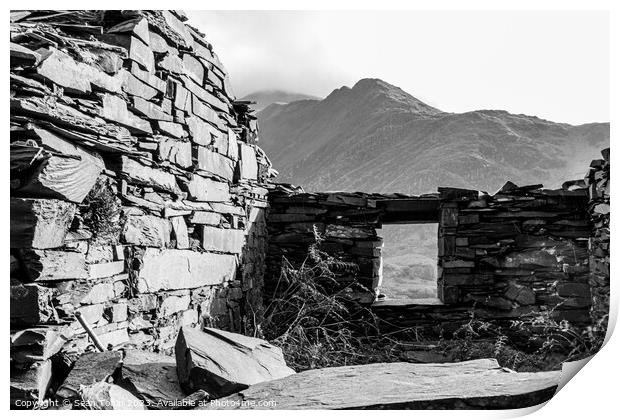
316 319
318 323
101 211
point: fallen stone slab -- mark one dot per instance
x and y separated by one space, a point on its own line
475 384
89 369
152 377
107 396
221 362
30 384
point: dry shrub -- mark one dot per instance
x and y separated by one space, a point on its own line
549 342
316 320
101 210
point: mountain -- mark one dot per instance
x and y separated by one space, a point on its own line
264 98
377 137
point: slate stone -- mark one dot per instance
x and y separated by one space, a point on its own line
146 230
140 174
89 369
222 240
221 362
172 269
50 265
179 232
204 189
152 377
248 167
177 152
107 396
31 304
215 163
476 384
30 384
39 223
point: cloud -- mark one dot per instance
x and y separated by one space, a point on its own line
547 63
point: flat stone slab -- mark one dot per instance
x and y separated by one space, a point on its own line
475 384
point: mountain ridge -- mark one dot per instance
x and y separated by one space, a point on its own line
267 97
377 137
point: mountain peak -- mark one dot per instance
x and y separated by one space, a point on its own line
372 83
381 90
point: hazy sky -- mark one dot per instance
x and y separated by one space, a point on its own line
554 64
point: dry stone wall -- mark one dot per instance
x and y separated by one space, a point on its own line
137 186
522 250
342 224
598 182
515 255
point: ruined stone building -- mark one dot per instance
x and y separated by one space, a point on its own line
141 199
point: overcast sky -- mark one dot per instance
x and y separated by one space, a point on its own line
554 64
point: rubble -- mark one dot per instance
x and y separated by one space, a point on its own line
89 369
151 377
106 396
221 362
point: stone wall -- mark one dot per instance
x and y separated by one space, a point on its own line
343 223
516 254
137 187
599 186
522 250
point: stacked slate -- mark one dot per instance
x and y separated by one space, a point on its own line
519 251
137 187
598 183
342 224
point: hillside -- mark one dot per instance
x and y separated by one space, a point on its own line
375 137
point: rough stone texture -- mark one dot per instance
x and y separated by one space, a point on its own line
146 230
347 224
151 377
90 368
215 164
515 249
46 265
119 155
180 269
517 254
221 362
145 175
477 384
222 240
248 167
598 183
40 223
31 304
32 383
204 189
